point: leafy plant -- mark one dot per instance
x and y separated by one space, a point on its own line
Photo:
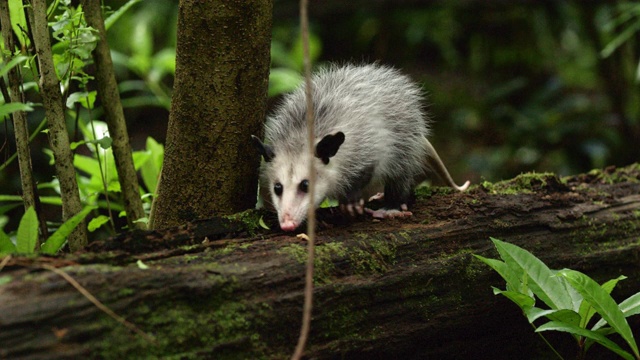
27 234
572 299
97 175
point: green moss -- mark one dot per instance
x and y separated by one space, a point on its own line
426 191
188 328
365 256
522 184
125 292
323 264
624 174
346 323
249 218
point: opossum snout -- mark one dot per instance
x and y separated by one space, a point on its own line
287 223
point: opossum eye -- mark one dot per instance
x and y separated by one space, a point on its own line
304 186
277 188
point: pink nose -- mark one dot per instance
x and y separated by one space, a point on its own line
288 226
287 223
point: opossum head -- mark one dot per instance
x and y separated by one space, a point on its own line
286 174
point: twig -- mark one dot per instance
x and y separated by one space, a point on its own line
5 261
311 215
99 304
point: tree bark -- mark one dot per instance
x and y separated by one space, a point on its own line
219 100
114 116
396 289
54 111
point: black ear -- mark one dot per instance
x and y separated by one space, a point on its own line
328 146
264 150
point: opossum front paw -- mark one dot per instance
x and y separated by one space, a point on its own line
390 213
378 196
353 207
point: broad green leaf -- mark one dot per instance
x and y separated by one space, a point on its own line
55 241
87 164
109 21
18 21
15 61
97 222
10 108
104 142
522 300
587 311
563 315
150 170
84 98
27 232
142 265
603 303
549 288
6 246
143 220
599 338
513 282
629 307
139 158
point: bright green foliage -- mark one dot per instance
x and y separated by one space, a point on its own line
286 59
7 108
571 299
27 234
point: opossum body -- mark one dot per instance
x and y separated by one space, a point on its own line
371 136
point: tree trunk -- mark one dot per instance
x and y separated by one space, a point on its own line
54 111
394 289
108 92
219 100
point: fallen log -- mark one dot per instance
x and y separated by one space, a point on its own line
395 289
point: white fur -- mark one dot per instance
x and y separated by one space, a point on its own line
380 112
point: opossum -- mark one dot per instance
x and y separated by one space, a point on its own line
371 137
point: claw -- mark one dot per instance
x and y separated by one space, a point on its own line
390 213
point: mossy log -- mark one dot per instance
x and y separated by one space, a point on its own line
397 289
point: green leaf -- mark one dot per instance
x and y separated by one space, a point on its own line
603 303
587 311
142 265
6 245
109 21
564 315
549 288
262 224
522 300
623 36
18 21
599 338
511 277
84 98
15 61
629 307
27 232
150 170
97 222
10 108
55 241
